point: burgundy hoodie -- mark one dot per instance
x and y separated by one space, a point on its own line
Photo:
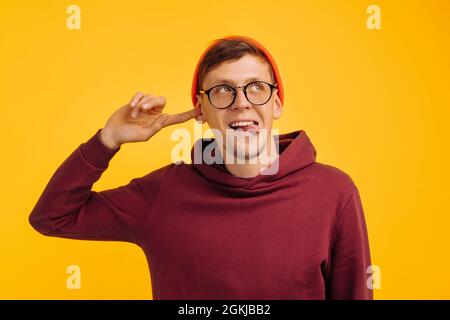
296 234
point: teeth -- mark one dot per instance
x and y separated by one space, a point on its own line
241 123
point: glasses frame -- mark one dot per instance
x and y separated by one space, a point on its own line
244 88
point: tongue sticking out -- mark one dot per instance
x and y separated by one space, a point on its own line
253 129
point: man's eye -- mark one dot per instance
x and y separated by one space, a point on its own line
224 90
256 87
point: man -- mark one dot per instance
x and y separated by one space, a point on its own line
286 228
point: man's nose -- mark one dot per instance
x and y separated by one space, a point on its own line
240 101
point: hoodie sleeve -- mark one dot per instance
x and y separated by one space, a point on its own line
68 208
349 254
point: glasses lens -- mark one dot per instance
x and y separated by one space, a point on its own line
258 92
221 96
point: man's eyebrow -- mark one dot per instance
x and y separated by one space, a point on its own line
231 82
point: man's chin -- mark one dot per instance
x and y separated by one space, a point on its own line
244 144
247 150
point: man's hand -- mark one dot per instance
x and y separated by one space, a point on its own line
140 119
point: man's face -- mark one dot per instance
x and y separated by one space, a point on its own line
239 73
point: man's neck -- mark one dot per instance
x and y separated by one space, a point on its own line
250 170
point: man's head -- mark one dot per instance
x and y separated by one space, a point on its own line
244 63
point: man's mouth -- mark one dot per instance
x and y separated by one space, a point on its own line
250 126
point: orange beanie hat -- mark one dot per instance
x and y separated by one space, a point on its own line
269 57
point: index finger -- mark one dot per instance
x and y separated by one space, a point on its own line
182 117
136 98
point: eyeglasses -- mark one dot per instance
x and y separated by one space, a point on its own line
222 96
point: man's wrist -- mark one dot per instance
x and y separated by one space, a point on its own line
107 140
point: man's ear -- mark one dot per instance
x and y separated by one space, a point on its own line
201 118
277 107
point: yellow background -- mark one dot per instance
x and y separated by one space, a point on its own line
374 103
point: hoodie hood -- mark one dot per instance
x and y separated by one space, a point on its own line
295 153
